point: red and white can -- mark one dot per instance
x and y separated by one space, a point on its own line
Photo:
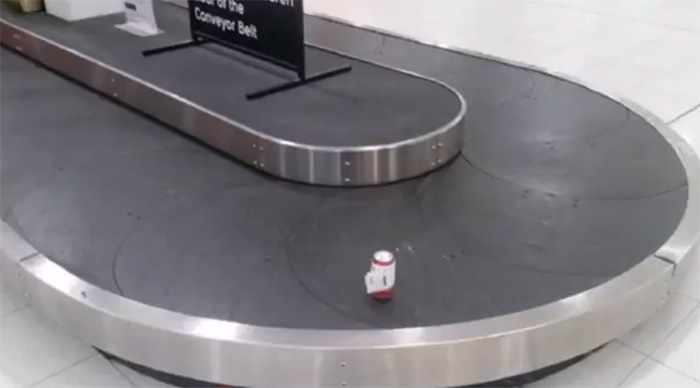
381 278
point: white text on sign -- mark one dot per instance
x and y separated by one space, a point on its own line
286 3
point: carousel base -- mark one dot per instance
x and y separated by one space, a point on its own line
559 227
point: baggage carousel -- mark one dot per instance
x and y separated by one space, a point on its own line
559 226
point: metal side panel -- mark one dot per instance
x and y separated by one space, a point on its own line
244 355
324 165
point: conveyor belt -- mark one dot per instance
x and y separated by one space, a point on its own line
138 210
559 194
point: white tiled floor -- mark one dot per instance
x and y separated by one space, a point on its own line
9 303
652 374
681 350
647 50
649 336
137 379
607 368
92 372
33 349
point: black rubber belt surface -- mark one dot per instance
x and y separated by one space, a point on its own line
369 106
524 218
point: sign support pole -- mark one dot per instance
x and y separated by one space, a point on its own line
298 82
174 47
269 30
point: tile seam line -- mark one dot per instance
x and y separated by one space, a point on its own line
113 366
636 367
68 367
674 369
673 328
684 114
651 356
13 312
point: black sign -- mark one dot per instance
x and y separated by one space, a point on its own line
272 30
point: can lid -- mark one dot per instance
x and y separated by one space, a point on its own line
383 258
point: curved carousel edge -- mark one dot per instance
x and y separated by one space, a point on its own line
456 354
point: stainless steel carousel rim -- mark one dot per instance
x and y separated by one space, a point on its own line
491 348
426 356
454 124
